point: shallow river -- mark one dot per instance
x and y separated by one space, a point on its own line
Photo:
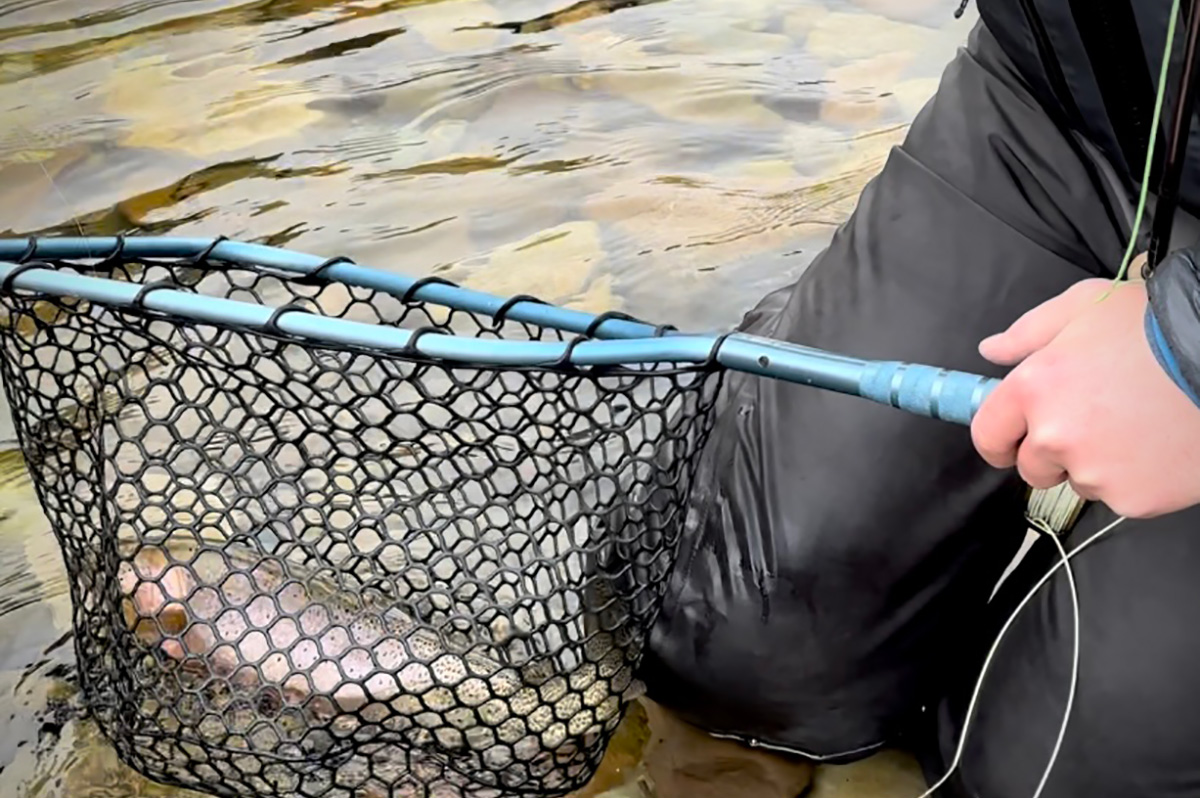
672 159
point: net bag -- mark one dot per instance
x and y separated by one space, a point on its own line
302 569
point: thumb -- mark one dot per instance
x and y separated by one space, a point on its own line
1038 327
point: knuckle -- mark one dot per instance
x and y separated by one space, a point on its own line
1048 440
1029 379
1030 477
981 434
1040 477
992 450
1038 470
1077 289
987 439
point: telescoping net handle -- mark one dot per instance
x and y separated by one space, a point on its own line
309 570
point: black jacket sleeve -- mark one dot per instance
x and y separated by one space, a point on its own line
1173 319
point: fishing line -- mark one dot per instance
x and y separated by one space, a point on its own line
75 218
1062 729
1167 201
1158 104
1064 562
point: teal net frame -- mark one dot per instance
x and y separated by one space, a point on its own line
924 390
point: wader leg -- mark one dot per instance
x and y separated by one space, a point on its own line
1135 726
842 553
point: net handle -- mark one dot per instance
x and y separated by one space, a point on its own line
920 389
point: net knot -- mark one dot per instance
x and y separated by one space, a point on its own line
711 361
410 348
113 258
409 296
565 362
207 252
139 301
318 274
30 249
608 315
502 312
272 324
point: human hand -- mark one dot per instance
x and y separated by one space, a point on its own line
1089 403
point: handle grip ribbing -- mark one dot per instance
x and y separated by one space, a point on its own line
929 391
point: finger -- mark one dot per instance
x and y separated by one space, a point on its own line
1038 468
999 426
1085 490
1037 327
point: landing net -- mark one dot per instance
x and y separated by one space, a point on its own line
311 570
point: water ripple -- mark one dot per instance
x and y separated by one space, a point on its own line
338 48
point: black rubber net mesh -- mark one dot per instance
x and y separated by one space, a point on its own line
303 570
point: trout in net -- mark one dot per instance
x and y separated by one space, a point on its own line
356 663
310 669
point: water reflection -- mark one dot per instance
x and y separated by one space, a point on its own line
674 159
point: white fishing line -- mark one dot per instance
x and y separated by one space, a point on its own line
987 662
1062 729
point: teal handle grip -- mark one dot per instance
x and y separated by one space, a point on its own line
929 391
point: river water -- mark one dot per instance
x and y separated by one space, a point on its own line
672 159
